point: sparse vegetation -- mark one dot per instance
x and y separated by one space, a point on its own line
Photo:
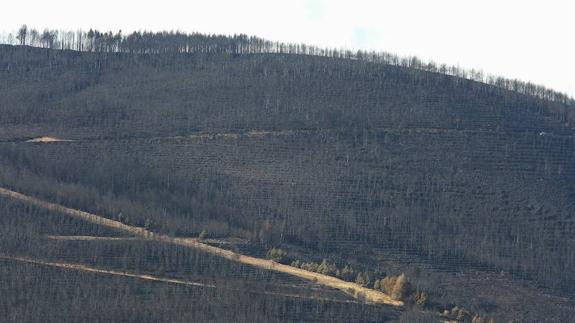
363 279
277 254
460 314
397 286
347 160
421 299
346 273
326 268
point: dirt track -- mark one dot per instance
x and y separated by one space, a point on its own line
355 290
98 238
89 269
91 238
47 139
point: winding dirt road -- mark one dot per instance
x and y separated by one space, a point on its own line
357 291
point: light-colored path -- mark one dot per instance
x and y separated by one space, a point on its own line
47 139
103 271
357 291
84 268
91 238
231 241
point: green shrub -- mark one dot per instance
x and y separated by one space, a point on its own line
362 279
398 287
295 263
347 273
377 284
421 299
276 254
326 268
310 266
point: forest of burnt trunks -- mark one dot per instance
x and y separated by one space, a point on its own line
328 154
36 293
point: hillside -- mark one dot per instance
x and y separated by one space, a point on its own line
465 186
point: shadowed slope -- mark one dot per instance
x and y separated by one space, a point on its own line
355 290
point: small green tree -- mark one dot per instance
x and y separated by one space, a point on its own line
455 311
276 254
326 268
421 299
310 266
347 273
387 284
377 284
463 315
477 319
398 287
203 235
402 288
362 279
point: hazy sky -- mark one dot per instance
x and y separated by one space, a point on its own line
529 40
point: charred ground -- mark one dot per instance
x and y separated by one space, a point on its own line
466 187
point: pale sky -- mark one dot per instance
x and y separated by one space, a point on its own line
529 40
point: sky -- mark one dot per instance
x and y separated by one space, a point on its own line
529 40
